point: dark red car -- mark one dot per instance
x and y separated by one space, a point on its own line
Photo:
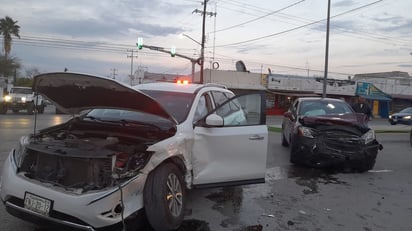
326 132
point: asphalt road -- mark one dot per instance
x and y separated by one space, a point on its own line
293 198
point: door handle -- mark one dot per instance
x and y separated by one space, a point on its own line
256 137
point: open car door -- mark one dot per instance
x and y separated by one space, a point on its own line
230 146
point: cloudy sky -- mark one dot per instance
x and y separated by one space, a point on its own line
287 36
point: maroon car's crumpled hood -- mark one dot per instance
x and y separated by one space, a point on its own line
354 119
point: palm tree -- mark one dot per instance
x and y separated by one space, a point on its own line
8 27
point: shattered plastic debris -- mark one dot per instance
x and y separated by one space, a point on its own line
268 215
302 212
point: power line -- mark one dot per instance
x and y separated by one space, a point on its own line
261 17
299 27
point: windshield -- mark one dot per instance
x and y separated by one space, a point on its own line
177 104
21 90
322 107
407 110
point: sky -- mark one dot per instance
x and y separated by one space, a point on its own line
285 36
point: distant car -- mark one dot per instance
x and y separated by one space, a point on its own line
137 151
326 132
402 117
22 98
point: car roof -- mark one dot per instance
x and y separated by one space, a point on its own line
176 87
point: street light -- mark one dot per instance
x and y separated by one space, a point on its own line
200 60
187 36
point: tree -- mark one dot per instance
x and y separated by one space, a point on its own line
8 66
8 27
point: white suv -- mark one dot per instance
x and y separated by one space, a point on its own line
140 147
22 98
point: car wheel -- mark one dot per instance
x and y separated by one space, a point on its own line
3 109
164 197
40 109
393 123
30 109
293 156
410 137
284 141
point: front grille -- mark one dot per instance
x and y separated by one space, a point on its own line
341 140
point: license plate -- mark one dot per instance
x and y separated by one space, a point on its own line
37 204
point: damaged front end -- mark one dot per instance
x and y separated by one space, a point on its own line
335 143
81 157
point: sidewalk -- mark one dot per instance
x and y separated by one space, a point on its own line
380 125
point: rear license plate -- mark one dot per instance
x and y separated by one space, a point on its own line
37 204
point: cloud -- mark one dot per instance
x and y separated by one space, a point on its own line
344 3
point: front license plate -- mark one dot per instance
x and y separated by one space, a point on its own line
37 204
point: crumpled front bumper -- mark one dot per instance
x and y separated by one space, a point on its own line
88 211
318 153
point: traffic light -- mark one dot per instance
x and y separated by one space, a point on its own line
173 51
139 43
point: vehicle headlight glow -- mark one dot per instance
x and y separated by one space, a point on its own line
306 132
7 98
390 116
407 117
23 99
369 136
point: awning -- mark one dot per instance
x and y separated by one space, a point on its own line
376 97
295 94
370 91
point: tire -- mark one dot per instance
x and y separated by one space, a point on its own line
393 123
40 109
293 159
3 109
285 143
410 137
165 188
30 109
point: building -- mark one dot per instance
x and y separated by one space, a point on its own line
379 88
396 84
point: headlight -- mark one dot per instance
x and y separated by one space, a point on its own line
390 116
23 99
369 136
407 117
7 98
306 132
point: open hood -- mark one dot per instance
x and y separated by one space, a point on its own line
73 92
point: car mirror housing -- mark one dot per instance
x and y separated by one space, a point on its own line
214 120
288 115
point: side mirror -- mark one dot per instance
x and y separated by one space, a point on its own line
288 115
214 120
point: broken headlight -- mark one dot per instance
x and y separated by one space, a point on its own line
369 136
127 165
306 132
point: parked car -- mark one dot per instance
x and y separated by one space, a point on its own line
137 151
402 117
326 132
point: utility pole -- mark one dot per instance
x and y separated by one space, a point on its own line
113 73
131 65
202 50
325 78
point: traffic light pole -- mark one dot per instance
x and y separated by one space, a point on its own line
192 60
